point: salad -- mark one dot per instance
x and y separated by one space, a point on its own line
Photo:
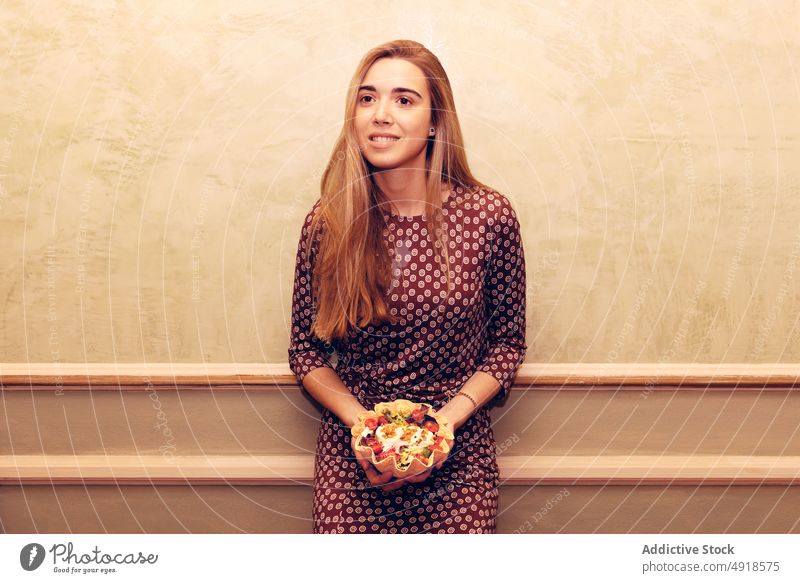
403 436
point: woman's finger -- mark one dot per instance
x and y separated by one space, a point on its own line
392 486
384 477
371 473
361 463
365 465
419 477
375 477
364 461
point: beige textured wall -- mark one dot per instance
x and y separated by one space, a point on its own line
156 162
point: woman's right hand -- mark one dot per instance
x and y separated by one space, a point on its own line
375 477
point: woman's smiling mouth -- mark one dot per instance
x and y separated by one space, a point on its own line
382 141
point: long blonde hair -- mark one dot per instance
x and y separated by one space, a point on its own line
352 268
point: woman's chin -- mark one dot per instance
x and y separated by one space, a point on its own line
383 164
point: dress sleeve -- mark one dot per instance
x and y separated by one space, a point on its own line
306 351
505 301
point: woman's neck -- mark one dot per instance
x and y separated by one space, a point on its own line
405 190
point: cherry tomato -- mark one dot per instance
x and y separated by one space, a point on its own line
431 426
371 423
382 420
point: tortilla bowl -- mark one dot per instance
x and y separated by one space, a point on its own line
399 413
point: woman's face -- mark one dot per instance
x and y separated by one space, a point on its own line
393 99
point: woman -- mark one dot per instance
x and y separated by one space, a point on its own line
414 272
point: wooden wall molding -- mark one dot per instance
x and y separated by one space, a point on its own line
288 470
269 376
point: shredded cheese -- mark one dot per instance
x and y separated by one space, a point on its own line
393 437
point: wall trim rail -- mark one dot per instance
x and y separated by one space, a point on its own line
294 470
17 376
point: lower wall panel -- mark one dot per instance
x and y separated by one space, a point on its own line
156 509
287 509
649 509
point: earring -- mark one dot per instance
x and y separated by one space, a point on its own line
431 131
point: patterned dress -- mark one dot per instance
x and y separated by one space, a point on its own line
427 358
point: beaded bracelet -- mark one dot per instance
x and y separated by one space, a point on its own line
474 403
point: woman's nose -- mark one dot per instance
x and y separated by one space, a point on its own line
381 113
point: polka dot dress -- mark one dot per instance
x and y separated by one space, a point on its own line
426 357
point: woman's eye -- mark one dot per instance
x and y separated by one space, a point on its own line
403 100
